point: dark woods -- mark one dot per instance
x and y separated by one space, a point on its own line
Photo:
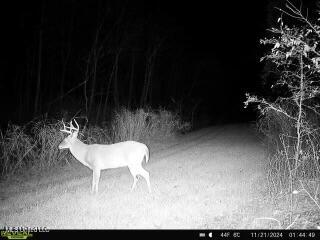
91 56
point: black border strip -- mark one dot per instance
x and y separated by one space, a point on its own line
180 234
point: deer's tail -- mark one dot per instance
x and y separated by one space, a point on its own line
147 154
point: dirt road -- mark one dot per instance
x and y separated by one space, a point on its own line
212 178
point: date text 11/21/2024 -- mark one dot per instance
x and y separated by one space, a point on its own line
304 234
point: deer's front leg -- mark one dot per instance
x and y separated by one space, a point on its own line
95 180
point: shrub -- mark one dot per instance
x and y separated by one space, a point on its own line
145 124
17 150
290 122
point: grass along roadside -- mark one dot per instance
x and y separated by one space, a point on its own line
34 147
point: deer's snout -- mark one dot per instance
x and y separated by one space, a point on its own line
62 145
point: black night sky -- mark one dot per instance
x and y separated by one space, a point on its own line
199 53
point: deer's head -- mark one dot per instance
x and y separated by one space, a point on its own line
73 134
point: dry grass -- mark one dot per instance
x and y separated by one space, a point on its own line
289 180
145 124
34 147
16 149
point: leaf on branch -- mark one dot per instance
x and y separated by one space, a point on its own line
306 50
288 54
277 45
316 61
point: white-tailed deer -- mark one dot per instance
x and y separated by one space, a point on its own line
98 157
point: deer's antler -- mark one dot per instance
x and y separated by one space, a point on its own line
65 128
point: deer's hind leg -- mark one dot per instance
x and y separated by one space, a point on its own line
134 175
146 176
138 170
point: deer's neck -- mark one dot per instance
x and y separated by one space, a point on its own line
79 151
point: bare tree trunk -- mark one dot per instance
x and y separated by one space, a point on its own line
150 65
133 60
99 110
115 80
95 56
87 76
108 90
145 90
62 80
38 86
148 76
93 85
29 88
21 88
149 86
66 56
299 103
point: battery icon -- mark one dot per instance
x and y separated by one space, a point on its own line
202 234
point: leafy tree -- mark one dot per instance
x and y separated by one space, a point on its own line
295 54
